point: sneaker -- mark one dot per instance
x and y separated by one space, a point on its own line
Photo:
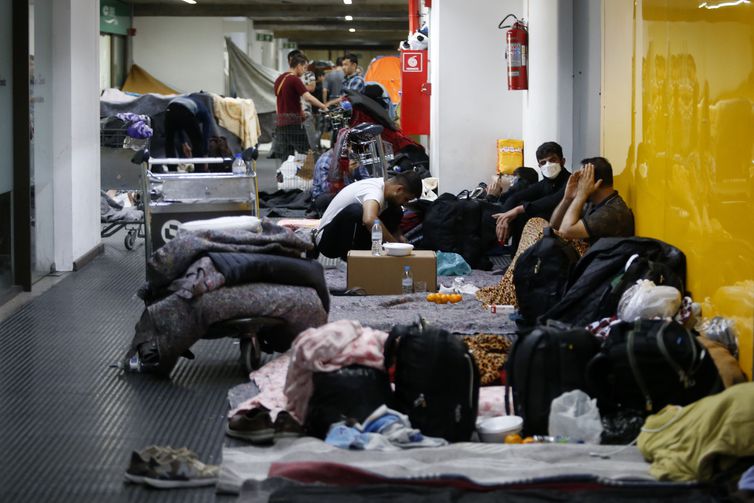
287 427
167 468
254 425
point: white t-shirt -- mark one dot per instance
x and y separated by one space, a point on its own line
357 192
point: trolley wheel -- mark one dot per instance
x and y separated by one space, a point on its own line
130 240
251 353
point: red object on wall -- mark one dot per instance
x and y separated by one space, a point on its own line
415 92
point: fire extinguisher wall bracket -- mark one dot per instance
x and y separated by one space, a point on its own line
516 53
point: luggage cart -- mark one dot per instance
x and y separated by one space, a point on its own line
119 172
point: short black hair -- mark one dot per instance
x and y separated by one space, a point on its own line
548 148
410 180
353 58
529 175
602 170
339 61
294 52
297 59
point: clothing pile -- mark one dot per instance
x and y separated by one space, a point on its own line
208 276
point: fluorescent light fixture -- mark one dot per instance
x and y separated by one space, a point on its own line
347 2
192 2
349 18
706 5
352 30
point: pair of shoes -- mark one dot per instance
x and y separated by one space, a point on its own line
256 426
168 468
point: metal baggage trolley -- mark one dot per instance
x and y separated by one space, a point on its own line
119 172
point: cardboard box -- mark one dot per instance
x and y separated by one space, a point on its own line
510 155
382 275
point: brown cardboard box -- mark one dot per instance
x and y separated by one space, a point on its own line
382 275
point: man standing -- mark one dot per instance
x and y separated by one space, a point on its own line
289 89
347 222
591 208
333 81
352 79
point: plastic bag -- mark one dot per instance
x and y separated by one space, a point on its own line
645 301
721 330
451 264
574 415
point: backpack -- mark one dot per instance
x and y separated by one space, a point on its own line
543 365
332 395
647 364
600 277
436 380
541 275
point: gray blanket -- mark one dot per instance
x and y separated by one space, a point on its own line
485 464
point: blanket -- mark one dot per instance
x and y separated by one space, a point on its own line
239 116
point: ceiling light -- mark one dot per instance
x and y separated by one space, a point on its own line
349 18
706 5
192 2
347 2
352 30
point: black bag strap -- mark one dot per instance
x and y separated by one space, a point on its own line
684 376
630 352
391 344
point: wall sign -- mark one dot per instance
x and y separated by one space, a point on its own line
114 17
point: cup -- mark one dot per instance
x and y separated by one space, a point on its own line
420 286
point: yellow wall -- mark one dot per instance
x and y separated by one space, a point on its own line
678 124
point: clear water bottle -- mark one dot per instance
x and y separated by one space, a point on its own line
239 166
377 238
407 281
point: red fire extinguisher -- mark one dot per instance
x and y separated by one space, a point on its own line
516 53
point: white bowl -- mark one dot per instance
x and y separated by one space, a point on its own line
495 429
398 249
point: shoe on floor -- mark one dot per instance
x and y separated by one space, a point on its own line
254 425
287 427
168 468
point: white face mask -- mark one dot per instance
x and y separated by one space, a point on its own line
550 169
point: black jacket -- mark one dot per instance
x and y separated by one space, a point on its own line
540 199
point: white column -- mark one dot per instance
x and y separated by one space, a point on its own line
76 134
471 106
548 104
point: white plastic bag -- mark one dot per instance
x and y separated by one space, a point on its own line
574 415
645 301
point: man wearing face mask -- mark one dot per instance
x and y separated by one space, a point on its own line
538 200
591 208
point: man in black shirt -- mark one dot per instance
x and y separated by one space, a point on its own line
538 200
591 208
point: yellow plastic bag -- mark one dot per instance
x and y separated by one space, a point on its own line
510 155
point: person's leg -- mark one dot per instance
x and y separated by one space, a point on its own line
300 139
345 232
322 202
170 130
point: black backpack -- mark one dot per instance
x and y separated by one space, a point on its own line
541 275
543 365
333 393
436 380
647 364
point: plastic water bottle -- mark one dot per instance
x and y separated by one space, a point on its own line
376 238
407 281
239 166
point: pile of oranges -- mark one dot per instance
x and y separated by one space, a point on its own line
444 298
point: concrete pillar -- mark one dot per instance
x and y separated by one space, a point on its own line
548 104
76 157
471 106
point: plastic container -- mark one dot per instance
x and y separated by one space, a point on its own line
376 238
398 249
239 166
495 429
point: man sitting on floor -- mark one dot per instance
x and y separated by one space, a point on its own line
348 220
591 208
538 200
322 190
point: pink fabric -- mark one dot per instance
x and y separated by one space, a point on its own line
325 349
491 401
270 380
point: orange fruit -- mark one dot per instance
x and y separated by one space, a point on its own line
442 298
432 297
528 440
513 439
456 297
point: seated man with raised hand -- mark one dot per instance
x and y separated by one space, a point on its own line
347 222
591 208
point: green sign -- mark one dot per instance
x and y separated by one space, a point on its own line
290 45
264 37
114 17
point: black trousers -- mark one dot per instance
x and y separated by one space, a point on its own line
179 119
347 231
